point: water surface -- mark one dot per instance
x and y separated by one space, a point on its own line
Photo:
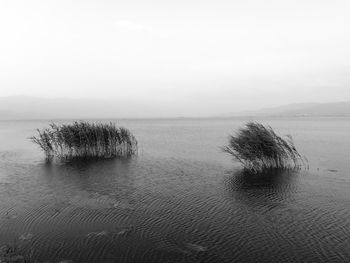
180 200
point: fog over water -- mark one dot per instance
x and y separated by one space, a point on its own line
182 58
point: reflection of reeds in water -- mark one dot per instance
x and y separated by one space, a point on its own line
259 148
86 140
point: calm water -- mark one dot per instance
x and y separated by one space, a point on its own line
180 200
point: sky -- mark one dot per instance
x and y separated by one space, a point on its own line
203 57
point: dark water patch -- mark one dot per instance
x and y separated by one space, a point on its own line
290 222
332 170
140 210
268 190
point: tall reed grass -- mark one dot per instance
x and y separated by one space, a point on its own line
86 140
259 148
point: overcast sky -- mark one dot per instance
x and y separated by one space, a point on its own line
212 56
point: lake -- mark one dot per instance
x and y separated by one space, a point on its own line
181 199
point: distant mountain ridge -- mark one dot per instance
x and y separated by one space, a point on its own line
301 109
29 108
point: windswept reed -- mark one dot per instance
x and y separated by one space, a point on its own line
259 148
86 140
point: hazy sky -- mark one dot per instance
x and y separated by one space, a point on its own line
203 56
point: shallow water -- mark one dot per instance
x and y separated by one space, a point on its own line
180 200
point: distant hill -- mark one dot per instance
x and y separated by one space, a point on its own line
301 109
27 108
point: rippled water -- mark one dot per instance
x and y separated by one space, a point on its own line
180 200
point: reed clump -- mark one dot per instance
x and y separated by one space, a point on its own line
85 140
259 148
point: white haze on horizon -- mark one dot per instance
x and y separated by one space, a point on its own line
181 57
